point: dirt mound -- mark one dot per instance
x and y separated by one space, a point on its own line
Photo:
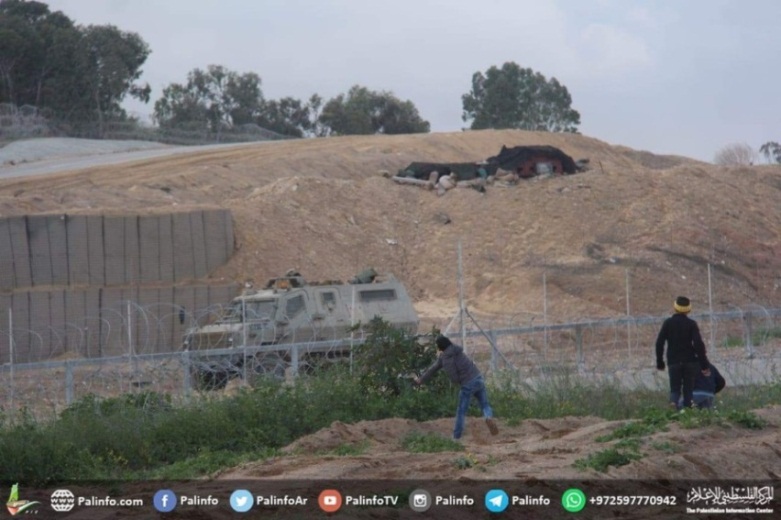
534 449
321 206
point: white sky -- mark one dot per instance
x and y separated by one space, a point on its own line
665 76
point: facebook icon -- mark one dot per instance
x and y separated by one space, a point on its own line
165 500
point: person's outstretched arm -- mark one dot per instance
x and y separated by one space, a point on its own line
429 372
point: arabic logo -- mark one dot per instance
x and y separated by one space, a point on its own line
736 495
16 506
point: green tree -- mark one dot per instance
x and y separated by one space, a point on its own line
111 61
514 97
287 116
214 98
772 151
37 53
390 358
363 111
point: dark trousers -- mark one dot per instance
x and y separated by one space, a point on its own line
682 376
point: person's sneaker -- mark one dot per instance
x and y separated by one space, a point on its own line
491 423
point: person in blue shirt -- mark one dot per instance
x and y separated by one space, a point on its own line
706 388
463 372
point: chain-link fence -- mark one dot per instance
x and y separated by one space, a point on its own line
742 343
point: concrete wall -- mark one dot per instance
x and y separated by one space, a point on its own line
98 250
104 321
95 285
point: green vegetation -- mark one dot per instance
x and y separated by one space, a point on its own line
602 460
417 442
467 461
147 435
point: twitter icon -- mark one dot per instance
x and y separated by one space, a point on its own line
496 500
241 500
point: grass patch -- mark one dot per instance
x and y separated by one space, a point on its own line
746 419
350 450
418 442
602 460
630 430
465 461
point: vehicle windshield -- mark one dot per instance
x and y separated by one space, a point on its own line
255 310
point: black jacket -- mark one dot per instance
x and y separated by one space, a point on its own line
459 368
712 384
684 343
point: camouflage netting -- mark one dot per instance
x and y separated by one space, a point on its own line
510 159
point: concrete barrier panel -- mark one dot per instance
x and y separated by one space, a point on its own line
168 315
114 332
7 281
96 252
184 265
199 244
149 248
185 297
132 261
216 242
148 322
165 223
201 300
20 311
58 247
5 305
41 346
17 230
114 249
75 328
40 254
93 324
78 249
58 323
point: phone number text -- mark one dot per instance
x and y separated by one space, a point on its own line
633 500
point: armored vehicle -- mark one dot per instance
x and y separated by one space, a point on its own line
293 325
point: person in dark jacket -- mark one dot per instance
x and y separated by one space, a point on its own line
463 372
706 388
685 352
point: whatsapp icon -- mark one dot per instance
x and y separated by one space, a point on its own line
573 500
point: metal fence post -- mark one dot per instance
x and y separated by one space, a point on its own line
579 344
294 360
68 383
187 383
749 333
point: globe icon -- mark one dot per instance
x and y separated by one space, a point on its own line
63 500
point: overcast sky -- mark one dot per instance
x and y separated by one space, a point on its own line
664 76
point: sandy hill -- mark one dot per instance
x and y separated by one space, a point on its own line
320 206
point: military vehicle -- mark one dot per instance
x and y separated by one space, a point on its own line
294 325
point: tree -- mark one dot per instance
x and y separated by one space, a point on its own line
288 116
214 98
111 61
513 97
78 73
735 154
772 151
37 53
363 111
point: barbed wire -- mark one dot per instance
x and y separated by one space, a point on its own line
620 349
29 121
